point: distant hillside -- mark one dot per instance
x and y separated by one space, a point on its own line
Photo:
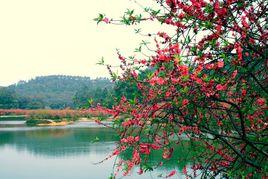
56 91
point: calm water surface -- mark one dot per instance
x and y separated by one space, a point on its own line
59 152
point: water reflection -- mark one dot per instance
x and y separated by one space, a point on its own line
59 142
68 152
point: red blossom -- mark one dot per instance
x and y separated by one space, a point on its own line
220 87
184 170
185 102
184 70
244 22
239 51
140 171
260 101
145 148
155 146
172 173
116 152
106 20
201 61
220 64
157 80
136 157
244 92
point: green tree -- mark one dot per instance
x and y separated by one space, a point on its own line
8 99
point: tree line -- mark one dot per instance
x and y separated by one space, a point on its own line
58 92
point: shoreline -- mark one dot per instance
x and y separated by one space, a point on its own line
47 122
65 122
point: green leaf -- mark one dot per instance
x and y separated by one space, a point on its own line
99 18
194 49
144 43
114 76
138 18
209 9
132 101
90 101
138 49
126 21
187 40
208 25
147 9
177 58
137 30
129 12
185 90
213 42
131 57
155 13
101 61
147 167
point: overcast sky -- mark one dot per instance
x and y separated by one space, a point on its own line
46 37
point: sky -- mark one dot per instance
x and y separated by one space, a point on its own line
49 37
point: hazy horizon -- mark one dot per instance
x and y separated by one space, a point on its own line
26 80
40 38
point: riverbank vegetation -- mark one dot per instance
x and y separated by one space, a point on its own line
50 117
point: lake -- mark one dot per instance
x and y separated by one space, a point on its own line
61 152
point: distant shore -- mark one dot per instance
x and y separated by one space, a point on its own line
69 122
49 117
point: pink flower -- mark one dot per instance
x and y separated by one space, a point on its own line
219 10
220 87
171 3
155 147
239 51
260 101
173 172
124 140
175 80
137 138
130 139
164 58
185 102
116 152
234 74
140 171
184 171
106 20
244 22
244 92
184 70
143 62
157 80
136 157
220 64
168 93
144 148
209 66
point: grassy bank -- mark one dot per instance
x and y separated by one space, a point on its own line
48 117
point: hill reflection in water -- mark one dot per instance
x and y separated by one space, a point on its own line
68 152
60 142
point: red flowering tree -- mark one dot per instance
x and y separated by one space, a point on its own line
206 81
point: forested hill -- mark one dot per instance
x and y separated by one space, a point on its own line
55 91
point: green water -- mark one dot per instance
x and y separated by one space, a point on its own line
63 153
